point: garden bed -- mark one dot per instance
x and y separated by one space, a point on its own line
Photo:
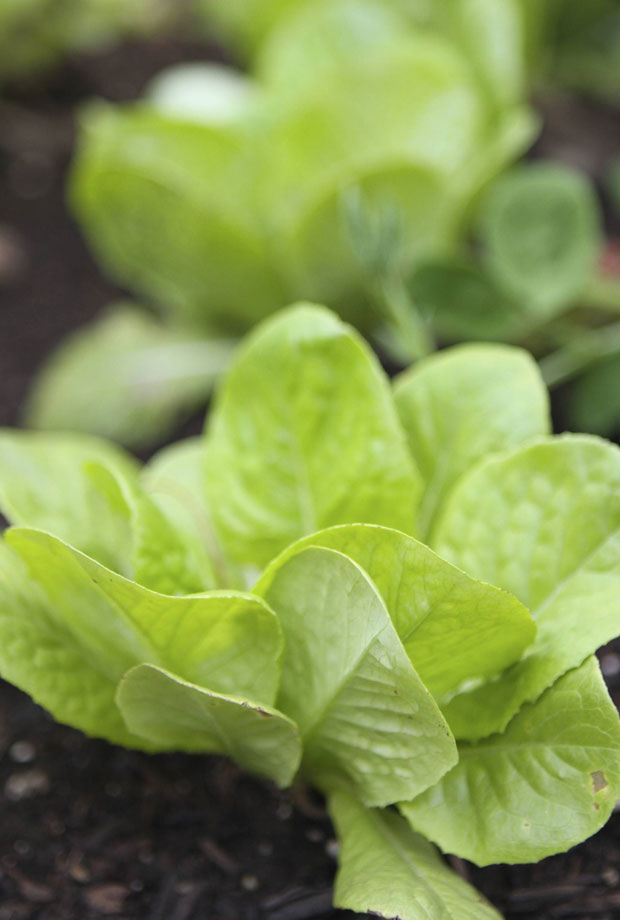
93 831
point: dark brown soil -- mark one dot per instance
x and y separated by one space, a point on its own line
89 831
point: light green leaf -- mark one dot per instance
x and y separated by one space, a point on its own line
204 92
489 33
126 377
227 641
507 140
386 869
452 627
167 558
321 36
40 654
244 23
324 262
332 144
167 206
304 435
48 481
174 480
547 783
162 555
544 523
541 228
172 713
462 302
348 684
87 492
460 405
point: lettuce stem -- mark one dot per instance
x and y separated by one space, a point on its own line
571 360
412 332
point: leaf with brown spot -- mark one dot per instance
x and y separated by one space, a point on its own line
520 796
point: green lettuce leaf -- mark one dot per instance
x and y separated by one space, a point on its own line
387 870
204 92
489 34
547 783
463 302
88 493
321 146
421 158
41 655
452 627
321 36
126 377
164 557
48 481
460 405
439 128
172 713
304 435
244 23
541 522
227 641
167 206
361 709
174 481
541 229
321 245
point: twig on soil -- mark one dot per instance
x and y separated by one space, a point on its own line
164 901
218 856
543 895
298 904
186 905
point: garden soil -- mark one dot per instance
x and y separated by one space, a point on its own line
90 831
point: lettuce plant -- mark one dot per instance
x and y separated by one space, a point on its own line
537 244
220 198
393 593
261 185
534 272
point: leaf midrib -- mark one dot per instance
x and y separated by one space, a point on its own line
549 599
320 719
478 749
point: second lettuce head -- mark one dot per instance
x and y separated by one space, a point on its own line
364 163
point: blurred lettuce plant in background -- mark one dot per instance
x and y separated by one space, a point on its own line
34 34
365 161
353 152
